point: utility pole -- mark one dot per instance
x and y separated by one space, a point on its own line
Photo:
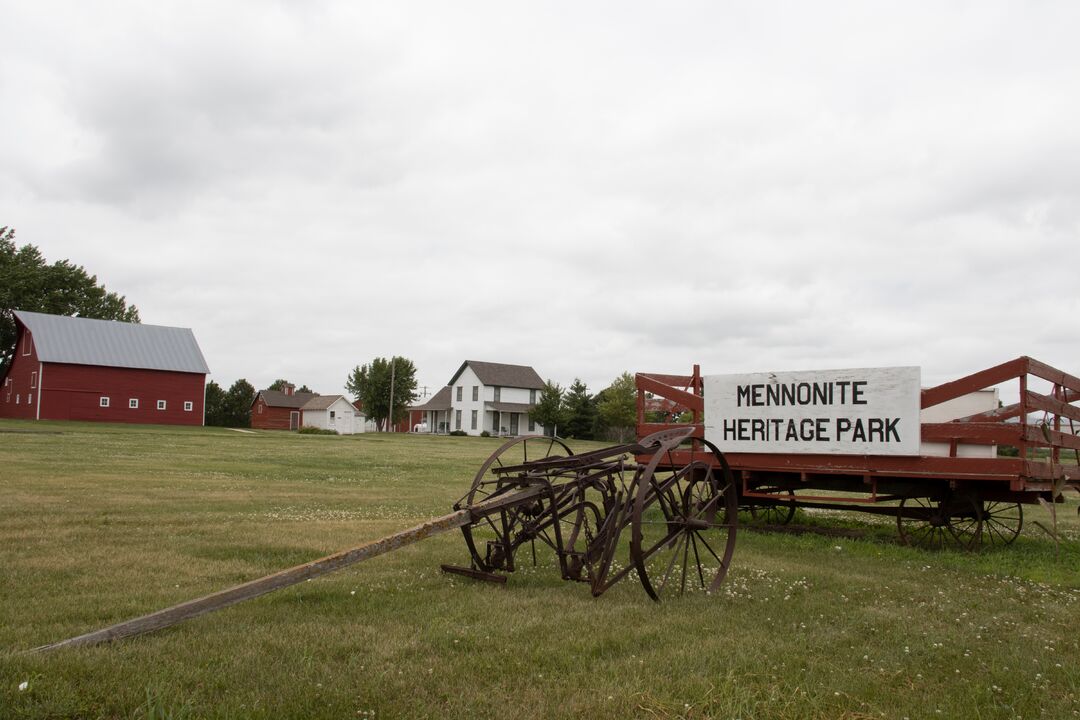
390 418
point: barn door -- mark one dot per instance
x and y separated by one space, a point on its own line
294 420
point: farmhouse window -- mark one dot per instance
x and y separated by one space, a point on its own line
459 393
474 419
532 425
33 380
457 419
332 414
475 393
104 401
160 404
188 406
498 393
133 403
532 397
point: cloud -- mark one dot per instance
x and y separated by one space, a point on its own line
584 188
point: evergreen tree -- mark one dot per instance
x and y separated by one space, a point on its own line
580 411
215 405
238 404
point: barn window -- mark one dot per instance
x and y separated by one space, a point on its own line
188 406
26 344
30 398
104 401
18 397
33 380
133 403
260 408
160 404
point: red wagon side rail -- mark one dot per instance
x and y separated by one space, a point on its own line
1036 467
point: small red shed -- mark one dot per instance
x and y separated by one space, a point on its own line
70 368
279 409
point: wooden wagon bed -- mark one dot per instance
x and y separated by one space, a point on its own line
1030 454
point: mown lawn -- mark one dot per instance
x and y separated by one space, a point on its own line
103 523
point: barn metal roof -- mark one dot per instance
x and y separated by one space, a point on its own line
83 341
501 374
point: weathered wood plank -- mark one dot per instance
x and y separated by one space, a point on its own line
253 589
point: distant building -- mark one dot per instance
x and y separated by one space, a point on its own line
70 368
279 409
332 412
485 396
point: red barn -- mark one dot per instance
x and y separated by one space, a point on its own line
69 368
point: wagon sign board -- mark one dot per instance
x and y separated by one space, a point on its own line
865 411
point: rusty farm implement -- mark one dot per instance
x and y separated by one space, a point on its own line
533 491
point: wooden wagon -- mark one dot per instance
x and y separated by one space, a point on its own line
970 493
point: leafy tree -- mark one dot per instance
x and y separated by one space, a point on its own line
238 401
371 385
617 406
27 282
280 384
549 410
215 405
580 411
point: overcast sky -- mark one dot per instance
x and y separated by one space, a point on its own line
584 187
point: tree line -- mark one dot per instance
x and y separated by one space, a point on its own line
610 414
28 282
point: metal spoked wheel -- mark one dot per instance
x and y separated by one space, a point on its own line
954 522
778 513
1001 522
684 520
493 542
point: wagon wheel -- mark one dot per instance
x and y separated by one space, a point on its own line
779 513
493 540
951 522
1001 522
684 520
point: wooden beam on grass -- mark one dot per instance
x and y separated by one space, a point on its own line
331 563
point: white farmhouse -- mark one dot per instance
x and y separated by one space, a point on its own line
486 396
332 412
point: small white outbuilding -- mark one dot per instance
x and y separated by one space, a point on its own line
333 412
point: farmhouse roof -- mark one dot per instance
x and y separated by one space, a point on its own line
519 376
85 341
438 401
323 402
276 398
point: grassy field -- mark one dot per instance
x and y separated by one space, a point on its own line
103 523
